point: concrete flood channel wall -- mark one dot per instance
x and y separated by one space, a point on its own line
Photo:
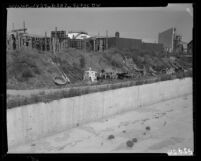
31 122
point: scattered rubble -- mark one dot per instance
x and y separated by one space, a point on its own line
129 143
110 137
134 140
148 128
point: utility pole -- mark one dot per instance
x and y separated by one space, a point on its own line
94 44
106 45
54 40
56 44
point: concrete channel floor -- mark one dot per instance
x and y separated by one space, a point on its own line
170 122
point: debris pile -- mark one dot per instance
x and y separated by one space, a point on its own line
110 137
129 143
134 140
148 128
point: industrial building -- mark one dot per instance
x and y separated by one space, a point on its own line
60 40
25 40
101 43
19 38
171 41
155 47
105 42
166 38
78 39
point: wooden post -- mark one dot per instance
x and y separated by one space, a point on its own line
45 41
30 44
53 45
94 44
24 28
40 43
106 43
55 41
17 41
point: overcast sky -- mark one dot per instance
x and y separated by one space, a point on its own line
142 23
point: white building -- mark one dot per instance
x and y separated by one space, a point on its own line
78 35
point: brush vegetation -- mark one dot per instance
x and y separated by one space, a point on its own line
32 69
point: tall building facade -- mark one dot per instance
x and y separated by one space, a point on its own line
167 39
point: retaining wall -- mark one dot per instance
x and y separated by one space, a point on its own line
31 122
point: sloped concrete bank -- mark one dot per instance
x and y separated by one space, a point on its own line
31 122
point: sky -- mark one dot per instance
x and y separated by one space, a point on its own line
131 22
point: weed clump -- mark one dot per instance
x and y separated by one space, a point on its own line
129 143
134 140
110 137
148 128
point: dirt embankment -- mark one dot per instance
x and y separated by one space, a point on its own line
31 69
